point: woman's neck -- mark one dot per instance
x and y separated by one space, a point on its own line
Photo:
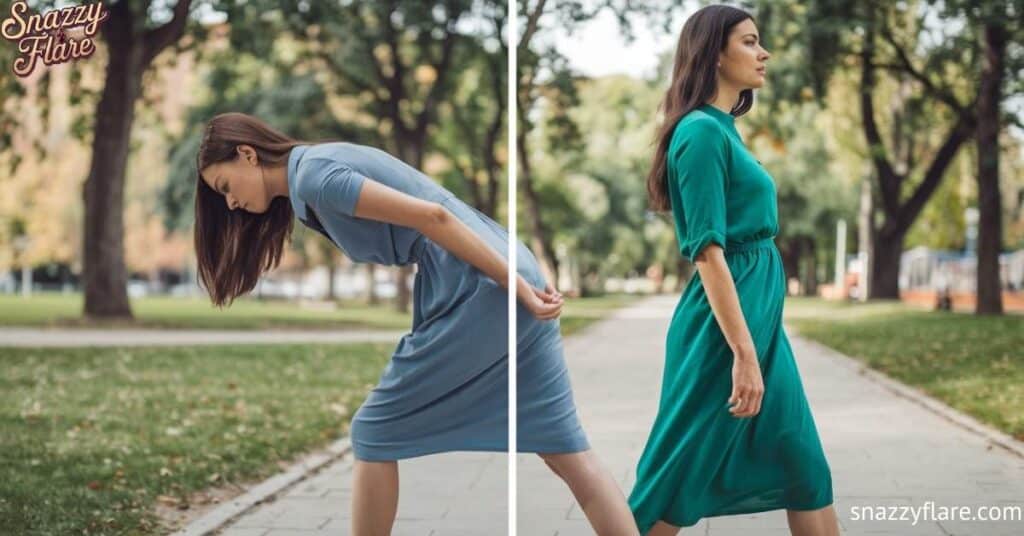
276 179
725 98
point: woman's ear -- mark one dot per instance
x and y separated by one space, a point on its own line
247 153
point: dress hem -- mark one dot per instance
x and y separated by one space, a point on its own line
579 446
403 454
751 511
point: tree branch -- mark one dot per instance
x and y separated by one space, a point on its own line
960 132
905 65
531 25
441 68
876 148
157 39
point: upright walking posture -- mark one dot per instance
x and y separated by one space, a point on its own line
445 387
726 343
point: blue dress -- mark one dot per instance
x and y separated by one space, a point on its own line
445 387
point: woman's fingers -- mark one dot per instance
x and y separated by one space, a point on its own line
548 297
738 400
733 398
749 401
545 311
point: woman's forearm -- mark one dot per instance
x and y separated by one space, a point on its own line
721 292
381 203
455 236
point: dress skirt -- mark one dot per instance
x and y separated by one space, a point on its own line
701 461
547 421
446 385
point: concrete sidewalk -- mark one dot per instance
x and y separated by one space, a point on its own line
451 494
884 449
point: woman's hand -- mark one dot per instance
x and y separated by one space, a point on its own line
747 384
543 304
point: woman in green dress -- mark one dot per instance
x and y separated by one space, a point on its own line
733 432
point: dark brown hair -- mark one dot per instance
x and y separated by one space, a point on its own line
235 247
694 81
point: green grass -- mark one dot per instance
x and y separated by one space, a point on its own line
974 364
579 313
91 437
65 310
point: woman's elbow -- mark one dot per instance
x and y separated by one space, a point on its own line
708 253
436 215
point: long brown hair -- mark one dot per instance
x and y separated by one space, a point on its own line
694 81
235 247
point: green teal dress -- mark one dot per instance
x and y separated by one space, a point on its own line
699 460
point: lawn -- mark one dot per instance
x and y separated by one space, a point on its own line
93 438
579 313
65 310
974 364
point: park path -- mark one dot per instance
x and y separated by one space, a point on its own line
884 450
57 337
450 494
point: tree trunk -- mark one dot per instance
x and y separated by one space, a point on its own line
541 239
790 252
990 226
865 237
332 270
810 284
371 288
884 281
686 269
899 214
104 274
130 50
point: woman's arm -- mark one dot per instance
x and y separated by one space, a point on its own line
748 385
383 203
700 157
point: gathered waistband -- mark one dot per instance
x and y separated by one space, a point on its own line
768 242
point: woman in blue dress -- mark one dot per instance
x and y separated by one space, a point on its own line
445 387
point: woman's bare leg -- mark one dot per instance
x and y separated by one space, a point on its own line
663 529
374 497
596 492
820 522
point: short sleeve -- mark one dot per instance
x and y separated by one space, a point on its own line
699 164
338 186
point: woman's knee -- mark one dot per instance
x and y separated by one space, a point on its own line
552 463
570 465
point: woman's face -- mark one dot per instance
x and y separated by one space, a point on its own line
743 58
240 181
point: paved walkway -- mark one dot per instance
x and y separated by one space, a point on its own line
884 451
177 337
451 494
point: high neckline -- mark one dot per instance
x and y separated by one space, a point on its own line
293 163
722 116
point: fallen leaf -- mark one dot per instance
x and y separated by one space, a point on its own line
167 500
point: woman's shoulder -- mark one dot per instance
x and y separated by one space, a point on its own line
332 150
698 125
